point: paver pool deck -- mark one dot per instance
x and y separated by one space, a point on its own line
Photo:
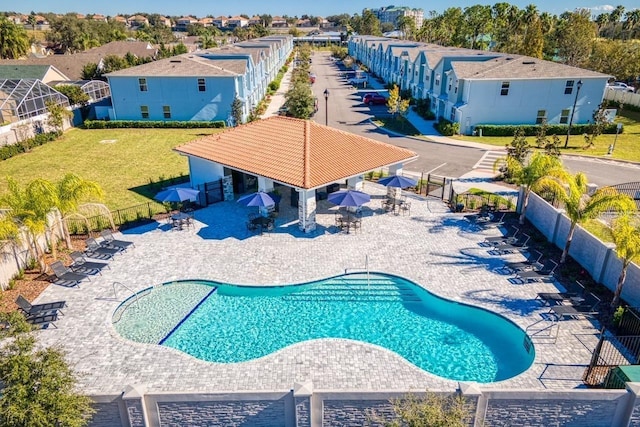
432 247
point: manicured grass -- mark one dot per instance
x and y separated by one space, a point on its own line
122 161
398 124
627 146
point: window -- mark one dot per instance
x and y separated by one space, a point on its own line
166 110
568 89
564 116
453 115
143 85
437 79
542 117
449 89
504 90
202 87
144 111
427 77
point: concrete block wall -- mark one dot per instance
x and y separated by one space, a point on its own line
596 257
107 414
260 413
305 407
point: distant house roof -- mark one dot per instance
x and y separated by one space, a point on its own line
296 152
26 71
69 65
121 48
186 65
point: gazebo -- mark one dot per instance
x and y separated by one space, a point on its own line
301 154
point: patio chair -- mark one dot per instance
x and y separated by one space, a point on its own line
496 240
589 307
405 208
572 295
507 248
31 310
111 242
65 276
81 265
493 222
529 264
43 320
534 275
95 250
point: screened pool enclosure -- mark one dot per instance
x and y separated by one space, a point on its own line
24 98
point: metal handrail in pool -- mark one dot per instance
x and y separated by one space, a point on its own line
366 268
115 293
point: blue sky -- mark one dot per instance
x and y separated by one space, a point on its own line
202 8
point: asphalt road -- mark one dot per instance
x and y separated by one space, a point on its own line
343 109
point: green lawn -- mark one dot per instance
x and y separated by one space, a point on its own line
398 125
627 145
122 161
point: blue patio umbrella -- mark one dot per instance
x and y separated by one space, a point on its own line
352 198
176 194
398 181
260 199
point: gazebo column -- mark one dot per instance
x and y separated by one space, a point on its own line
307 210
394 192
266 185
355 183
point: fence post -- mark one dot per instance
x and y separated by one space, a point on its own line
149 208
119 217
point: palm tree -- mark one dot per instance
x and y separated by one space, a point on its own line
530 174
579 206
29 208
626 235
14 41
72 190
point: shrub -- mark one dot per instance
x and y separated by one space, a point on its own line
446 127
132 124
423 108
532 130
9 151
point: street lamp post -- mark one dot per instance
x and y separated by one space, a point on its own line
573 110
326 107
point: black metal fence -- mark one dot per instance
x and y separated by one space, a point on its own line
631 189
433 185
468 201
121 218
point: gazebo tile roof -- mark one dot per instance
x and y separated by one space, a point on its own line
300 153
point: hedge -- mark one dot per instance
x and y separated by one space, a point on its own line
9 151
629 107
128 124
447 127
532 130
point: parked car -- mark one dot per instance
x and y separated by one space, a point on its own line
621 86
312 78
374 98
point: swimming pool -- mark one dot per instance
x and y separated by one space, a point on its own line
227 323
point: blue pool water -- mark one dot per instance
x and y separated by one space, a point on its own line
226 323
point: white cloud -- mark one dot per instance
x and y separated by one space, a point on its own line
604 8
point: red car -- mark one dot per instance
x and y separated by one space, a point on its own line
374 99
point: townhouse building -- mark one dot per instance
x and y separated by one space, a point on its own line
199 86
473 87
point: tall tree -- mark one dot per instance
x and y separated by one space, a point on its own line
578 205
575 37
14 41
369 24
625 233
477 22
72 191
39 387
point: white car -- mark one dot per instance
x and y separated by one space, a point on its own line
358 80
621 86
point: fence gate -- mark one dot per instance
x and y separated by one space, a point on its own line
434 186
210 192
